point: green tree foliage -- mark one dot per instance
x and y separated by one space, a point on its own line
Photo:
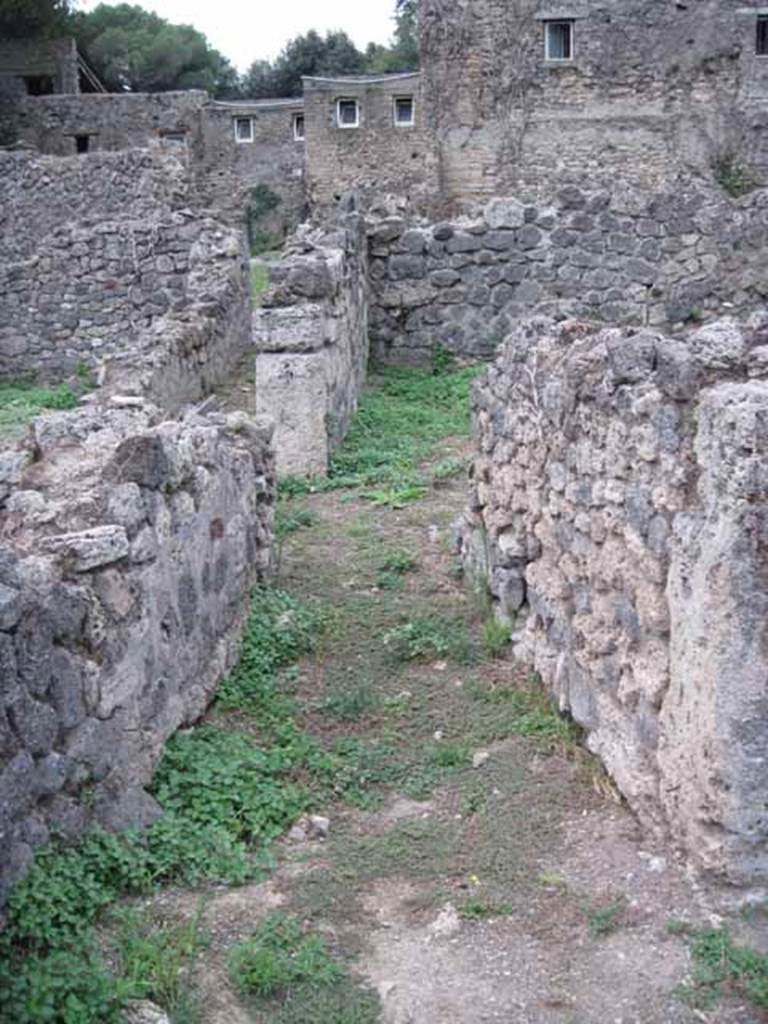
403 52
134 50
20 18
309 54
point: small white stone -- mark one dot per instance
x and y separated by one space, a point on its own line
480 758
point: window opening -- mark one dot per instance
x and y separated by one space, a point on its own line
38 85
558 40
405 112
243 129
347 113
298 127
173 138
82 143
761 46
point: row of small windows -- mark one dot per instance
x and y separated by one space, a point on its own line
559 39
347 115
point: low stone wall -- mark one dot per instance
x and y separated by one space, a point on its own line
128 550
155 289
618 515
621 257
311 339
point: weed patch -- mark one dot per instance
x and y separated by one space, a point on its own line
20 403
719 966
291 974
428 636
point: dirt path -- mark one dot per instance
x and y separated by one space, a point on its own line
519 890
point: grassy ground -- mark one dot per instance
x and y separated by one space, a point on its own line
20 402
374 688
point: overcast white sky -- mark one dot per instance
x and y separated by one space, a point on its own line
247 30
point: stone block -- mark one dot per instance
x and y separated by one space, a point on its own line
504 213
89 549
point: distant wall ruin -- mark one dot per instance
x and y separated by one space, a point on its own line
618 516
310 333
622 256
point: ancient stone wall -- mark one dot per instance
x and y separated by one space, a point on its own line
376 156
618 516
651 92
38 64
272 162
129 546
622 256
311 339
224 167
130 278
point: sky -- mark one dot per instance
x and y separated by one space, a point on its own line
248 30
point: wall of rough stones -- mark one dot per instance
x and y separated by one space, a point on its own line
133 278
376 157
198 131
129 546
654 92
623 256
53 59
618 515
310 333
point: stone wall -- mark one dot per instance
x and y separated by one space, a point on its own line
131 278
274 160
622 256
377 156
198 131
47 64
618 515
654 92
128 550
311 339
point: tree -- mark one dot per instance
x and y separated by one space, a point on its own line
310 54
20 18
133 50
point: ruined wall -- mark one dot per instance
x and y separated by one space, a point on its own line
54 60
111 121
132 278
654 91
618 515
198 131
128 550
274 159
311 337
621 256
377 156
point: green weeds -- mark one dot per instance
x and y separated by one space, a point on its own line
496 638
259 280
21 402
292 975
429 636
719 965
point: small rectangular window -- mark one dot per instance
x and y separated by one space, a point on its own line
347 113
243 129
761 47
405 111
82 143
298 127
558 40
173 138
39 85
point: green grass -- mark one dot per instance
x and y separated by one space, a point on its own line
157 960
605 918
259 280
496 638
720 966
20 403
425 637
350 701
292 976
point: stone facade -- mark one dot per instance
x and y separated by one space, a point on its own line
618 516
105 265
128 550
375 155
621 256
650 92
311 338
224 168
38 66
